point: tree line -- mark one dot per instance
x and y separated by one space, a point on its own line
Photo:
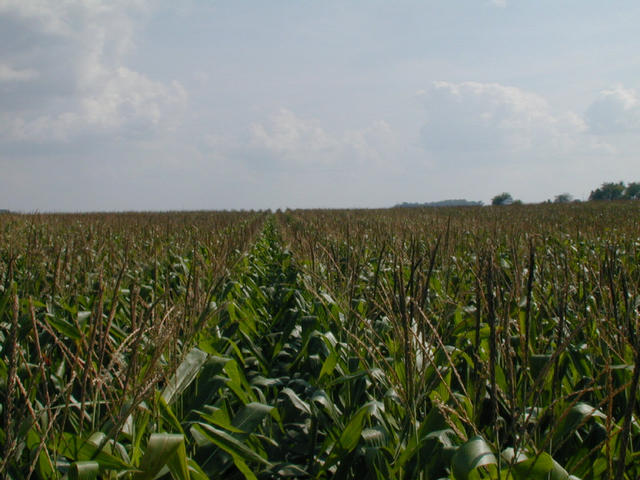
616 191
607 191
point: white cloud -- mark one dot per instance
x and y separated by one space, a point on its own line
616 110
83 85
11 74
294 140
127 104
126 96
286 140
497 137
481 118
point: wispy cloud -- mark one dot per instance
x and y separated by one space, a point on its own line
286 140
615 111
11 74
74 69
477 118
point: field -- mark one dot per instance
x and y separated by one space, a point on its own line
426 343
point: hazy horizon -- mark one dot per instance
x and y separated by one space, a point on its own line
151 106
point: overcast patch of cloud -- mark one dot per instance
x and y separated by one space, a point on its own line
489 118
11 74
616 110
66 75
285 140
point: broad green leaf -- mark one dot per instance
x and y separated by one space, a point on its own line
168 415
184 375
577 417
219 417
475 453
45 464
141 422
178 463
238 383
320 397
260 381
251 415
230 444
350 435
195 472
160 448
579 414
64 327
541 467
329 364
296 401
77 449
243 467
84 470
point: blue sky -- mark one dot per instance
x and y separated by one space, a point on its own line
154 105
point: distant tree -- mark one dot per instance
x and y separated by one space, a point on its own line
502 199
562 198
608 191
442 203
633 191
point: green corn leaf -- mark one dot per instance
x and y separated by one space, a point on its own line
184 375
45 464
219 417
350 435
64 327
84 470
168 415
475 453
541 467
251 415
178 463
296 401
243 467
141 422
320 398
579 415
195 472
230 444
238 383
159 452
329 364
78 449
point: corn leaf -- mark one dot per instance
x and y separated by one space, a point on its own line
475 453
84 470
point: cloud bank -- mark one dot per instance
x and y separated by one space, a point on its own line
67 75
616 110
287 141
489 118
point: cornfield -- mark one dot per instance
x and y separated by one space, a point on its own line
427 343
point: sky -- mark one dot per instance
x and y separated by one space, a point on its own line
160 105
